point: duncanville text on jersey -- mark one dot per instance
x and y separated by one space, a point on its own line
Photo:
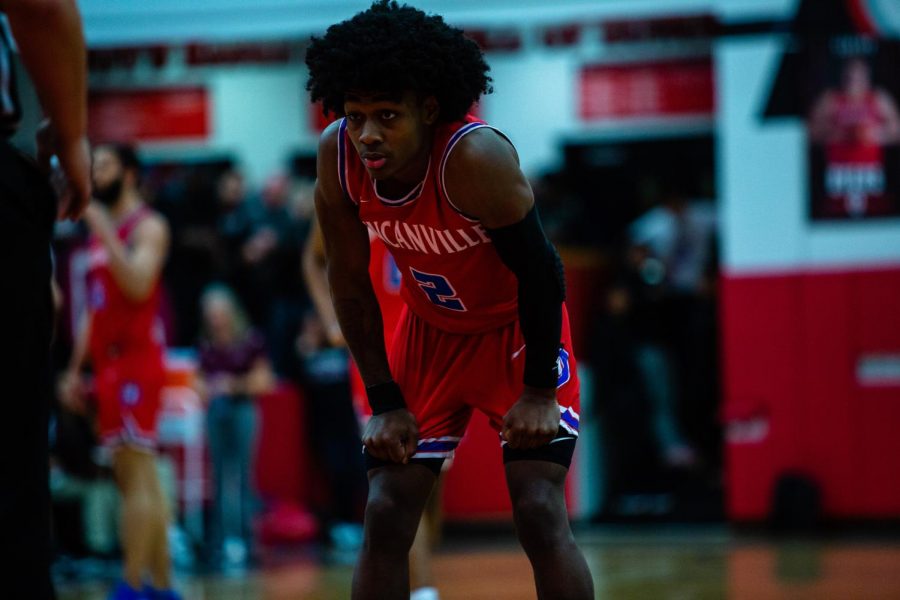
428 240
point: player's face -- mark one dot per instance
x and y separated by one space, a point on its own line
857 79
391 134
107 175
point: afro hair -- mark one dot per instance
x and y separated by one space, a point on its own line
393 48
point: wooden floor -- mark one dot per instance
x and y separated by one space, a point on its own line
702 564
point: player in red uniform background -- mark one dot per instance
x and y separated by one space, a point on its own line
481 283
122 336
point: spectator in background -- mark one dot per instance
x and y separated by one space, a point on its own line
234 370
237 219
333 431
187 198
270 272
631 444
671 260
52 47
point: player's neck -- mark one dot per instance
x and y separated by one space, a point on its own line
129 202
410 176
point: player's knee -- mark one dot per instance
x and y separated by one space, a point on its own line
390 523
541 520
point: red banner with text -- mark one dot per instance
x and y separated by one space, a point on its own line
647 90
149 114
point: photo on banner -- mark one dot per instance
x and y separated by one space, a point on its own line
853 122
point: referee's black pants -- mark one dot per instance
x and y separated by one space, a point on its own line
27 208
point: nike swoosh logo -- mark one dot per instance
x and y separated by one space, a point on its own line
518 352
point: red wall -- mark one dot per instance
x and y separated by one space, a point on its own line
792 399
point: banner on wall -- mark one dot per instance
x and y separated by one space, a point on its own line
149 115
853 123
840 76
647 90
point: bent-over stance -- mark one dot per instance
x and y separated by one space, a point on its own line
484 326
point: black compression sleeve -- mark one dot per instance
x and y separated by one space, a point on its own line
525 249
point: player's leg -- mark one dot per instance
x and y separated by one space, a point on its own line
537 491
421 578
143 517
397 495
160 557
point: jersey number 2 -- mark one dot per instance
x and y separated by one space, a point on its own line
438 290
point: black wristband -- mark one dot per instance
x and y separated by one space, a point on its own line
385 397
538 375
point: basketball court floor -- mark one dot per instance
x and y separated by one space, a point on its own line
643 563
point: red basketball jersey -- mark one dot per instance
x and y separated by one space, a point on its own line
451 275
857 122
386 281
121 327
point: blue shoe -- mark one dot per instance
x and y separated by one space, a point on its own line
155 594
123 591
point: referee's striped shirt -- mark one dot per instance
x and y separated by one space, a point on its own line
10 111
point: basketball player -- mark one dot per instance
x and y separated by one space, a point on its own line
386 280
484 325
854 123
122 337
52 49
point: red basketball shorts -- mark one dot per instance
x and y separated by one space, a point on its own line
129 394
445 376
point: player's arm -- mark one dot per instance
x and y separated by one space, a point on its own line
70 385
890 117
392 433
48 34
821 122
484 180
135 269
315 273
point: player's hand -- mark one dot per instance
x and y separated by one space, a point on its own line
97 217
70 389
75 160
392 436
335 335
45 141
532 421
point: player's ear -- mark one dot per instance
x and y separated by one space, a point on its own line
431 110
